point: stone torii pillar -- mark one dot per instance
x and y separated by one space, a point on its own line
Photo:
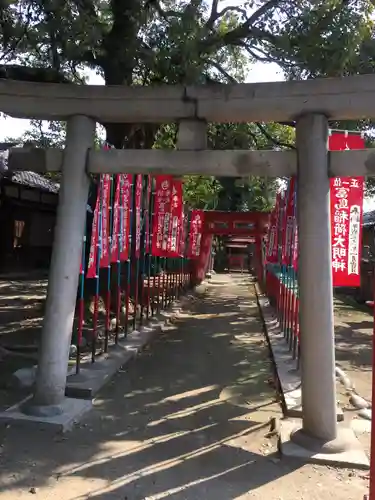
49 396
315 279
319 438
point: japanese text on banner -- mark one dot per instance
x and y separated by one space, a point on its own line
346 224
94 244
175 228
161 218
125 215
346 199
116 221
195 234
138 208
105 222
287 233
272 243
147 214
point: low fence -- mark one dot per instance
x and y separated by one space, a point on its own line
135 260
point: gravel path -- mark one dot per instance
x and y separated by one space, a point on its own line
187 420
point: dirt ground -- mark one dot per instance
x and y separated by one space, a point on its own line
187 420
353 337
354 332
21 316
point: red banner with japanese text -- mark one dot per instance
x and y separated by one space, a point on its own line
147 215
287 232
125 215
105 222
295 251
116 221
272 243
138 208
346 200
181 250
161 218
195 234
94 250
175 229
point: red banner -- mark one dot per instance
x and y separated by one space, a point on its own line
138 208
125 201
295 248
287 232
116 221
195 234
147 215
105 229
94 250
175 228
161 219
346 199
272 243
181 250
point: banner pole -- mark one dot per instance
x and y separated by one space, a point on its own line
97 276
149 260
109 268
129 260
120 228
81 310
136 256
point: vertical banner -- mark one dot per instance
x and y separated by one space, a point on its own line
116 221
147 214
105 222
125 212
181 250
175 228
272 243
346 200
161 219
138 208
346 227
295 244
195 234
287 232
93 255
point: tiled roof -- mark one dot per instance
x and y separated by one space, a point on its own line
32 180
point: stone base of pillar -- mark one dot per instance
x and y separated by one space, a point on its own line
344 451
32 409
70 411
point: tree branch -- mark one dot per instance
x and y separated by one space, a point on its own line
268 136
220 14
213 15
216 65
244 30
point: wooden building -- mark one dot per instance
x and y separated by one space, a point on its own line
28 205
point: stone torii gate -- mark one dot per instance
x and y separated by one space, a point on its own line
309 103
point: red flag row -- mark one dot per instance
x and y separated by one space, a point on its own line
169 226
346 204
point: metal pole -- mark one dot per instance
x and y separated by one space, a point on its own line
64 271
315 279
109 268
81 308
97 276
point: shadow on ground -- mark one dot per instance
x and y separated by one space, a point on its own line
186 420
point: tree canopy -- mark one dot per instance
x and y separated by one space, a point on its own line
149 42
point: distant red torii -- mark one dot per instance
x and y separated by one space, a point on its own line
235 223
218 223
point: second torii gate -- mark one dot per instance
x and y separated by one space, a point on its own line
219 223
